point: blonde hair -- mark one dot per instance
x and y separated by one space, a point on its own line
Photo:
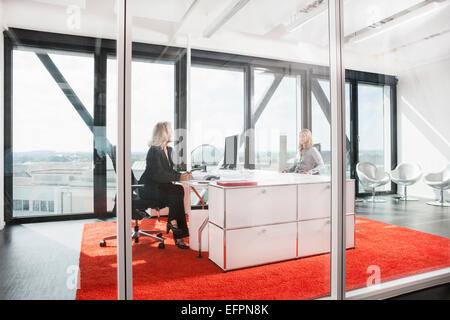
309 142
161 134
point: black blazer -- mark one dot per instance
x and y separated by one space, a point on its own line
158 170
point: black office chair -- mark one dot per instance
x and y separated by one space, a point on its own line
139 206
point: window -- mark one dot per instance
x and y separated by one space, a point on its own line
52 144
321 110
26 205
43 205
374 127
36 205
321 124
275 116
51 206
217 111
17 205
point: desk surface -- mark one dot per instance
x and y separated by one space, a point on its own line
264 178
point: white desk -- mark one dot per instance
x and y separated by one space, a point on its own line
286 216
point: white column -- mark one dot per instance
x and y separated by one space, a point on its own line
338 178
123 152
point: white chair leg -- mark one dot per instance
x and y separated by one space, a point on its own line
441 202
405 196
374 199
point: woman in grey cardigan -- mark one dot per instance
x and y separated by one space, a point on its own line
309 160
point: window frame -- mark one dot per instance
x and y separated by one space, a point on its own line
104 48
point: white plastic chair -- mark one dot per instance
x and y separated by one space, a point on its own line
440 181
370 176
406 174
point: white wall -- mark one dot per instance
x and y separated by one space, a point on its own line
424 119
2 220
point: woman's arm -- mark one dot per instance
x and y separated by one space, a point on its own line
293 167
318 161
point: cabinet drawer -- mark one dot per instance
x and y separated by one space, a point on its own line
314 236
314 200
246 207
216 244
216 205
258 245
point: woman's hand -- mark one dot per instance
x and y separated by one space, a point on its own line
305 172
186 176
283 171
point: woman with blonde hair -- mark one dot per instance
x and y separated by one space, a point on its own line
158 179
309 160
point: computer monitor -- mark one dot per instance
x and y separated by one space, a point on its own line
230 154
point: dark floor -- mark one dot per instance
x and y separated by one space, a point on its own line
416 215
36 259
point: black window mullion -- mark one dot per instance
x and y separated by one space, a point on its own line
394 138
181 110
249 127
8 126
100 151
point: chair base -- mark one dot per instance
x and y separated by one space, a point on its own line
375 200
138 234
403 198
439 203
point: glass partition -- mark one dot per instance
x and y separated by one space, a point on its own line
58 158
242 94
396 57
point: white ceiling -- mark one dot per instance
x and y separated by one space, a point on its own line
266 22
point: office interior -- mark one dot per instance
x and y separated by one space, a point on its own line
256 71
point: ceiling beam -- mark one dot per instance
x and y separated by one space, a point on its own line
394 20
185 18
224 18
306 14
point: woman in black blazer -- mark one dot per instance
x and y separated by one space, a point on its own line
158 179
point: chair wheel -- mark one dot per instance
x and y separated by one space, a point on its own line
161 245
102 243
159 235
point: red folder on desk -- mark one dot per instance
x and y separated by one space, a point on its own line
236 183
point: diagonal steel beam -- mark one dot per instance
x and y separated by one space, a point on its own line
263 104
324 104
266 99
73 98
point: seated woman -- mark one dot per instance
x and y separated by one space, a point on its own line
309 160
158 179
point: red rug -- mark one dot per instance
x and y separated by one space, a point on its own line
172 273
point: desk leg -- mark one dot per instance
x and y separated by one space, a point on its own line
198 195
200 230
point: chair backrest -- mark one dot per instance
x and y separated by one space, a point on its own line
408 170
366 169
318 146
446 173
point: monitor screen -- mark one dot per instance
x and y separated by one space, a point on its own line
230 156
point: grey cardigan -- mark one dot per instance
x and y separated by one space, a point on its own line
310 161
